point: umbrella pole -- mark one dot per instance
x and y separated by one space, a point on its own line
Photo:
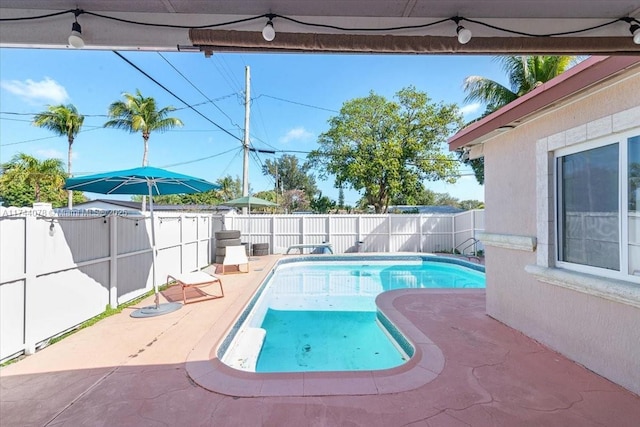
153 248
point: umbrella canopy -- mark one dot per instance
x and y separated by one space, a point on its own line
144 180
249 201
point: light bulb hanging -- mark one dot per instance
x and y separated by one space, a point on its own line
268 32
464 34
75 38
634 29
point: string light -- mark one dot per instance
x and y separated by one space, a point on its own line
634 28
464 35
75 38
268 32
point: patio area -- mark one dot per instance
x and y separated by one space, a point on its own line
125 371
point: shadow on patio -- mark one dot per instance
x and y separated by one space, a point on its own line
125 371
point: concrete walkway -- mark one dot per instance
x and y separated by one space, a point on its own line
125 372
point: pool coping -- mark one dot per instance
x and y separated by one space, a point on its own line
206 370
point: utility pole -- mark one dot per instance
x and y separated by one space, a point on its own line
245 166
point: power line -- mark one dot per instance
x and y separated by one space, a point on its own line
200 159
199 91
297 103
34 114
176 96
46 137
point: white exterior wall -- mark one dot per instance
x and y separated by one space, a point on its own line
592 320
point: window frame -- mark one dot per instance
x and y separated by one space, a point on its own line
622 140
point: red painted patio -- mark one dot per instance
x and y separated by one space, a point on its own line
125 371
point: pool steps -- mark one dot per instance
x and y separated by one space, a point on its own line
244 354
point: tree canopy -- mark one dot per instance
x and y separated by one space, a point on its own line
63 120
525 73
26 180
289 174
138 113
387 148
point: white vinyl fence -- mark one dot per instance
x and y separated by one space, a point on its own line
363 233
56 272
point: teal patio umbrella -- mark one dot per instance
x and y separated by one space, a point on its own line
149 181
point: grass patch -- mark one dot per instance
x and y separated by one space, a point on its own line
90 322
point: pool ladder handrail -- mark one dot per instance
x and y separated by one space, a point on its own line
474 243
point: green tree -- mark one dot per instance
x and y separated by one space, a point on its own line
525 73
468 205
322 204
289 174
230 188
26 180
386 147
295 201
141 114
445 199
421 196
63 120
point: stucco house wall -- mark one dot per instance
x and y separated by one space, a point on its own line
593 320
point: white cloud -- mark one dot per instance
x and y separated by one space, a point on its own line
471 108
45 91
297 134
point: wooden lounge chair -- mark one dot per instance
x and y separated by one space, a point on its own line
196 279
235 255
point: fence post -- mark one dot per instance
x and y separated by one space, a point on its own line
358 232
273 234
453 233
388 233
420 218
113 261
30 264
302 229
328 230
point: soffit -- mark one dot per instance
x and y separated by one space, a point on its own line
534 16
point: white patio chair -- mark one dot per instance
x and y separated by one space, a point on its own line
235 255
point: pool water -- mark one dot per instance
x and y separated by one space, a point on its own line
322 316
325 341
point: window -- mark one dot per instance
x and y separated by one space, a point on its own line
598 207
633 166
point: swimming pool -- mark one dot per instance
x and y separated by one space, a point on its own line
319 313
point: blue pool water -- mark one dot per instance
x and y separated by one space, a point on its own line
321 315
325 341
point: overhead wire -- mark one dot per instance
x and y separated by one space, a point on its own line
47 137
176 96
187 162
198 90
297 103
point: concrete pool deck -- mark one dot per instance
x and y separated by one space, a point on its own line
125 371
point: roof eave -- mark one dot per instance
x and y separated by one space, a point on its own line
570 82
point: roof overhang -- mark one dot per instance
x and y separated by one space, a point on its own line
373 26
550 94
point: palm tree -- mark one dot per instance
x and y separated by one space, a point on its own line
62 120
35 173
229 188
525 73
141 114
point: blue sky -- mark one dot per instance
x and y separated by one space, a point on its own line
293 97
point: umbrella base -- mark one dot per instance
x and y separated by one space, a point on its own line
152 311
